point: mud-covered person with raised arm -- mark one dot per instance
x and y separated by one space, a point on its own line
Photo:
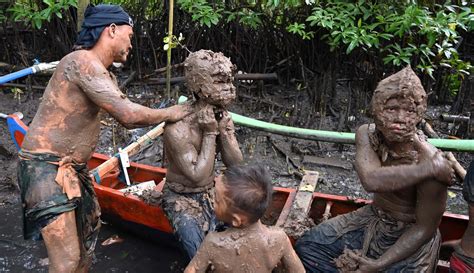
462 259
59 203
243 194
398 232
191 146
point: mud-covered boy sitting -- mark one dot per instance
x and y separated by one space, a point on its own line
243 194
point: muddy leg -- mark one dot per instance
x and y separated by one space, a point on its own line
62 243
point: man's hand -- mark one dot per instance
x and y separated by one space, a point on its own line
436 161
178 112
443 168
366 265
225 123
207 121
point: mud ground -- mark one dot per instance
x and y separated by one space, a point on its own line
285 157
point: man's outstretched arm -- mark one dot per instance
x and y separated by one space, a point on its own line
95 81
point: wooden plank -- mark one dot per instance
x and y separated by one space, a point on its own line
298 221
327 161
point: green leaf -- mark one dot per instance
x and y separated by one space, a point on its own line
351 46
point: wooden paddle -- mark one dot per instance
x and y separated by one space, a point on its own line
131 149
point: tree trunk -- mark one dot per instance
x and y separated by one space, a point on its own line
81 8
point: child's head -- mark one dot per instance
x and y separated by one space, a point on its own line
209 76
243 194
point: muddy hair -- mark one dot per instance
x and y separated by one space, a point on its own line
404 83
250 190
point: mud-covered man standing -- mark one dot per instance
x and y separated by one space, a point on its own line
191 146
59 202
398 232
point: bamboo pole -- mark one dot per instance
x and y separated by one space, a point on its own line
81 8
170 41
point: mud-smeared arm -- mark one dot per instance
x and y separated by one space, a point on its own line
227 142
290 260
195 166
428 218
95 81
377 178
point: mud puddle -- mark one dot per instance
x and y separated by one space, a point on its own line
134 254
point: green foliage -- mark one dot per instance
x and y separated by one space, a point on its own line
202 11
425 35
30 13
300 29
403 33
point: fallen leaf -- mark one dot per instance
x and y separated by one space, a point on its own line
112 240
451 194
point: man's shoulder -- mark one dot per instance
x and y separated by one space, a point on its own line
179 127
82 58
277 234
78 55
364 128
364 134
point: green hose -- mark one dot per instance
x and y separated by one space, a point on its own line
461 145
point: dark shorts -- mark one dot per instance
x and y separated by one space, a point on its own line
368 229
43 199
191 215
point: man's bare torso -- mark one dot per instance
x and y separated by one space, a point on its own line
67 121
402 204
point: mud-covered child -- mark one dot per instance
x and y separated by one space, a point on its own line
243 194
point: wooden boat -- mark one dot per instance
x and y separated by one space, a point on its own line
131 208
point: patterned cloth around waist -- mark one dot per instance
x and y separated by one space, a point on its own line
51 185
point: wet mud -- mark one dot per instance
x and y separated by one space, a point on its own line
137 253
151 197
209 75
296 227
346 263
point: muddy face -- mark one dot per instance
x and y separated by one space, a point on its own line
209 76
397 122
398 105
